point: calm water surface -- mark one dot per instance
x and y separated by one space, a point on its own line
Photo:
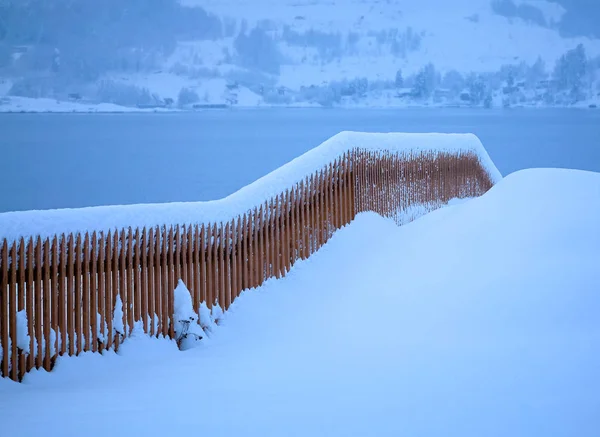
76 160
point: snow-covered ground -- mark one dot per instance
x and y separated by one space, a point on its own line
26 104
479 319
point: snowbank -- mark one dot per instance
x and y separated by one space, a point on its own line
52 222
479 319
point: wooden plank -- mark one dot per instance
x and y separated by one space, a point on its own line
55 302
86 291
137 278
222 291
47 292
141 262
39 279
215 264
304 218
196 267
189 267
171 289
273 245
278 237
167 278
326 203
254 260
108 295
293 235
177 256
232 262
4 326
245 257
240 259
94 292
64 295
285 201
70 310
201 241
30 306
12 313
101 292
183 262
149 242
130 280
210 295
215 277
21 302
123 283
116 253
263 243
225 257
78 297
157 283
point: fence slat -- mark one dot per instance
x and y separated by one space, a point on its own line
12 314
101 293
123 280
78 297
108 294
188 267
116 291
197 266
167 308
47 296
140 310
30 306
4 326
239 252
54 290
21 302
210 295
203 272
225 256
129 279
147 279
94 292
157 287
86 293
222 291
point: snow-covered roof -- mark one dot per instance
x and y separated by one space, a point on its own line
47 223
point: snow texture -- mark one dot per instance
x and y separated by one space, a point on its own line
217 313
118 327
55 222
22 331
206 320
187 330
479 319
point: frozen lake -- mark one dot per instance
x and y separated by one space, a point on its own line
76 160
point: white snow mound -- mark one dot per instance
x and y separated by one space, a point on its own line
480 319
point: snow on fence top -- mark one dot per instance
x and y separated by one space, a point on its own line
47 223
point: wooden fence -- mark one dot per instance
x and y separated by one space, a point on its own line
66 286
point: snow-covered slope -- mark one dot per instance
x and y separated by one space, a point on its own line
479 319
465 35
320 42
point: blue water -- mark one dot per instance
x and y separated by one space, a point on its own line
75 160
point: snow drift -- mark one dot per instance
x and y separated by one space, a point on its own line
478 319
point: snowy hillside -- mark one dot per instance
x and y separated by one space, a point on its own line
465 35
318 52
479 319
